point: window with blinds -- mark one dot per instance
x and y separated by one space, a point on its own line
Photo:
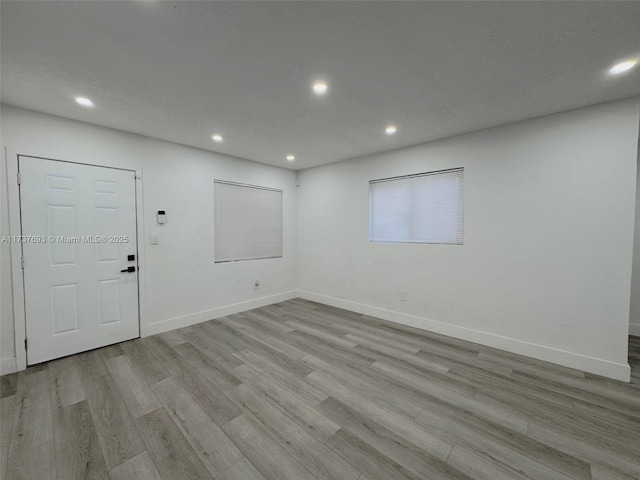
421 208
247 222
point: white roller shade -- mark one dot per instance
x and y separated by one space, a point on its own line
248 222
422 208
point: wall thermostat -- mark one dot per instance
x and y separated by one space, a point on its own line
162 217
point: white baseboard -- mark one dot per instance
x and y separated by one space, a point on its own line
193 318
617 371
8 365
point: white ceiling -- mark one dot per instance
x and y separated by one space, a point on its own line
181 71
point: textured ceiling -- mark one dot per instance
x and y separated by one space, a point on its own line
180 71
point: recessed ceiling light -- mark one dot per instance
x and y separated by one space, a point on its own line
84 101
320 87
291 158
390 130
623 67
217 138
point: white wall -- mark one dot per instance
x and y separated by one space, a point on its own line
183 285
634 318
545 269
7 361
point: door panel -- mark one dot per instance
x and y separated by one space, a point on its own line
80 221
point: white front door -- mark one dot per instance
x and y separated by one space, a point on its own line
78 233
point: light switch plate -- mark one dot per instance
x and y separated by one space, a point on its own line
155 239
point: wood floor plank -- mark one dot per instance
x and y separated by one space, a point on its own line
398 424
207 367
234 339
7 417
284 362
274 342
300 390
503 445
33 423
481 467
626 401
66 383
394 356
40 367
495 410
140 467
526 364
214 448
204 341
267 321
309 393
290 403
77 448
276 314
241 470
603 473
367 459
135 392
111 351
366 339
218 341
606 416
309 451
117 433
90 364
171 453
150 368
466 363
357 328
610 435
320 349
389 444
584 449
173 337
271 460
210 397
8 385
37 463
376 389
328 337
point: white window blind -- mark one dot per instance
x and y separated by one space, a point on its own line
422 208
248 222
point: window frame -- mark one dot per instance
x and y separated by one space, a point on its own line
405 177
215 220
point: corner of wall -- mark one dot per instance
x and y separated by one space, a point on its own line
634 312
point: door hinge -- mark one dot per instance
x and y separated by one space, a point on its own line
19 179
25 344
22 262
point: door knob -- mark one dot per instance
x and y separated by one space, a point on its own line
128 270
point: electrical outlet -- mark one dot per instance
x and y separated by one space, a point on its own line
403 296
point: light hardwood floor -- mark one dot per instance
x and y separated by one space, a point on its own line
299 391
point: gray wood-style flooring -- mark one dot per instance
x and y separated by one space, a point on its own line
634 359
298 391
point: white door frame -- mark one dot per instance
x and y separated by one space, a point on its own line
15 229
